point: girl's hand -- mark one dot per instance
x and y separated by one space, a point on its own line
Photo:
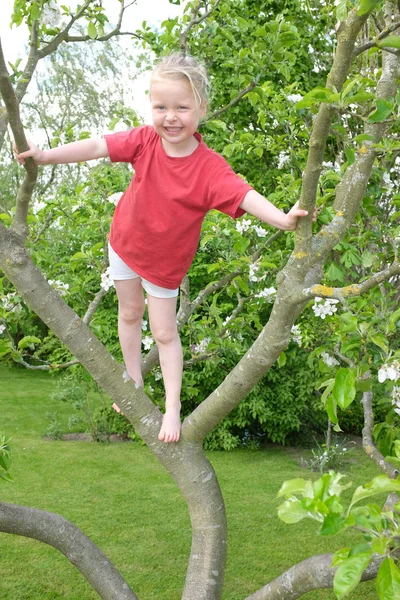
294 214
34 152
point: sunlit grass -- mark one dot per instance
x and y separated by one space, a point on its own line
121 497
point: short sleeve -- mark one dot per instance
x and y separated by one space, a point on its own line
226 189
126 146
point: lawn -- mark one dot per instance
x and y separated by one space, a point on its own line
120 496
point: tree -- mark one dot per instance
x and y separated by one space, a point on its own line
298 282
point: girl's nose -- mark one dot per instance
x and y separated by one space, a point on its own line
171 116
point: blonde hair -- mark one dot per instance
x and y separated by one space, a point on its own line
180 67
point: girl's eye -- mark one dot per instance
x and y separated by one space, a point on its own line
160 107
182 107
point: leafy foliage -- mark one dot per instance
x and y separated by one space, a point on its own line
321 501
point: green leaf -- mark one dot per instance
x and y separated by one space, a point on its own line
379 544
380 341
334 273
394 317
391 41
379 485
348 575
29 341
340 556
341 10
362 97
92 31
282 360
293 486
382 111
388 580
327 391
292 511
331 409
344 390
333 523
364 385
367 6
367 259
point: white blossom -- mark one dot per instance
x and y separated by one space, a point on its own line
157 375
114 198
147 342
266 293
295 98
144 325
51 15
329 360
252 272
323 309
387 181
391 372
260 231
228 318
38 206
202 346
396 395
106 281
283 158
62 288
242 226
2 329
296 334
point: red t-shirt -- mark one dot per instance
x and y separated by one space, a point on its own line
157 222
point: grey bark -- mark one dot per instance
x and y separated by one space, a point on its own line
314 573
59 533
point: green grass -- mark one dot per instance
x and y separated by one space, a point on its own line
121 497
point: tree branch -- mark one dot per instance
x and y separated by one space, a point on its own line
314 573
54 530
25 191
367 439
63 36
235 101
347 36
373 43
351 190
351 291
194 21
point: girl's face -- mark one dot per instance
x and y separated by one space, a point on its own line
176 115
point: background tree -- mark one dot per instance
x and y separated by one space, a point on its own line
359 138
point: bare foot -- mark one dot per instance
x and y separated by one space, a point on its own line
171 426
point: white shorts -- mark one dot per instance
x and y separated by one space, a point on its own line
120 271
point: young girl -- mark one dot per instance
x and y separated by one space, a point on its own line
157 223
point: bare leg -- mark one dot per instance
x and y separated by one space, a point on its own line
162 315
130 312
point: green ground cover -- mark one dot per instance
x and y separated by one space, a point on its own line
121 497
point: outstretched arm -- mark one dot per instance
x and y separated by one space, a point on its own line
260 207
80 151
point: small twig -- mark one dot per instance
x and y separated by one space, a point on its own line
374 43
194 21
235 101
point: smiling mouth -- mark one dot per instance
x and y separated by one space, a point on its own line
173 129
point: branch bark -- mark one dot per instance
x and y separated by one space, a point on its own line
25 191
314 573
347 36
62 535
367 439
